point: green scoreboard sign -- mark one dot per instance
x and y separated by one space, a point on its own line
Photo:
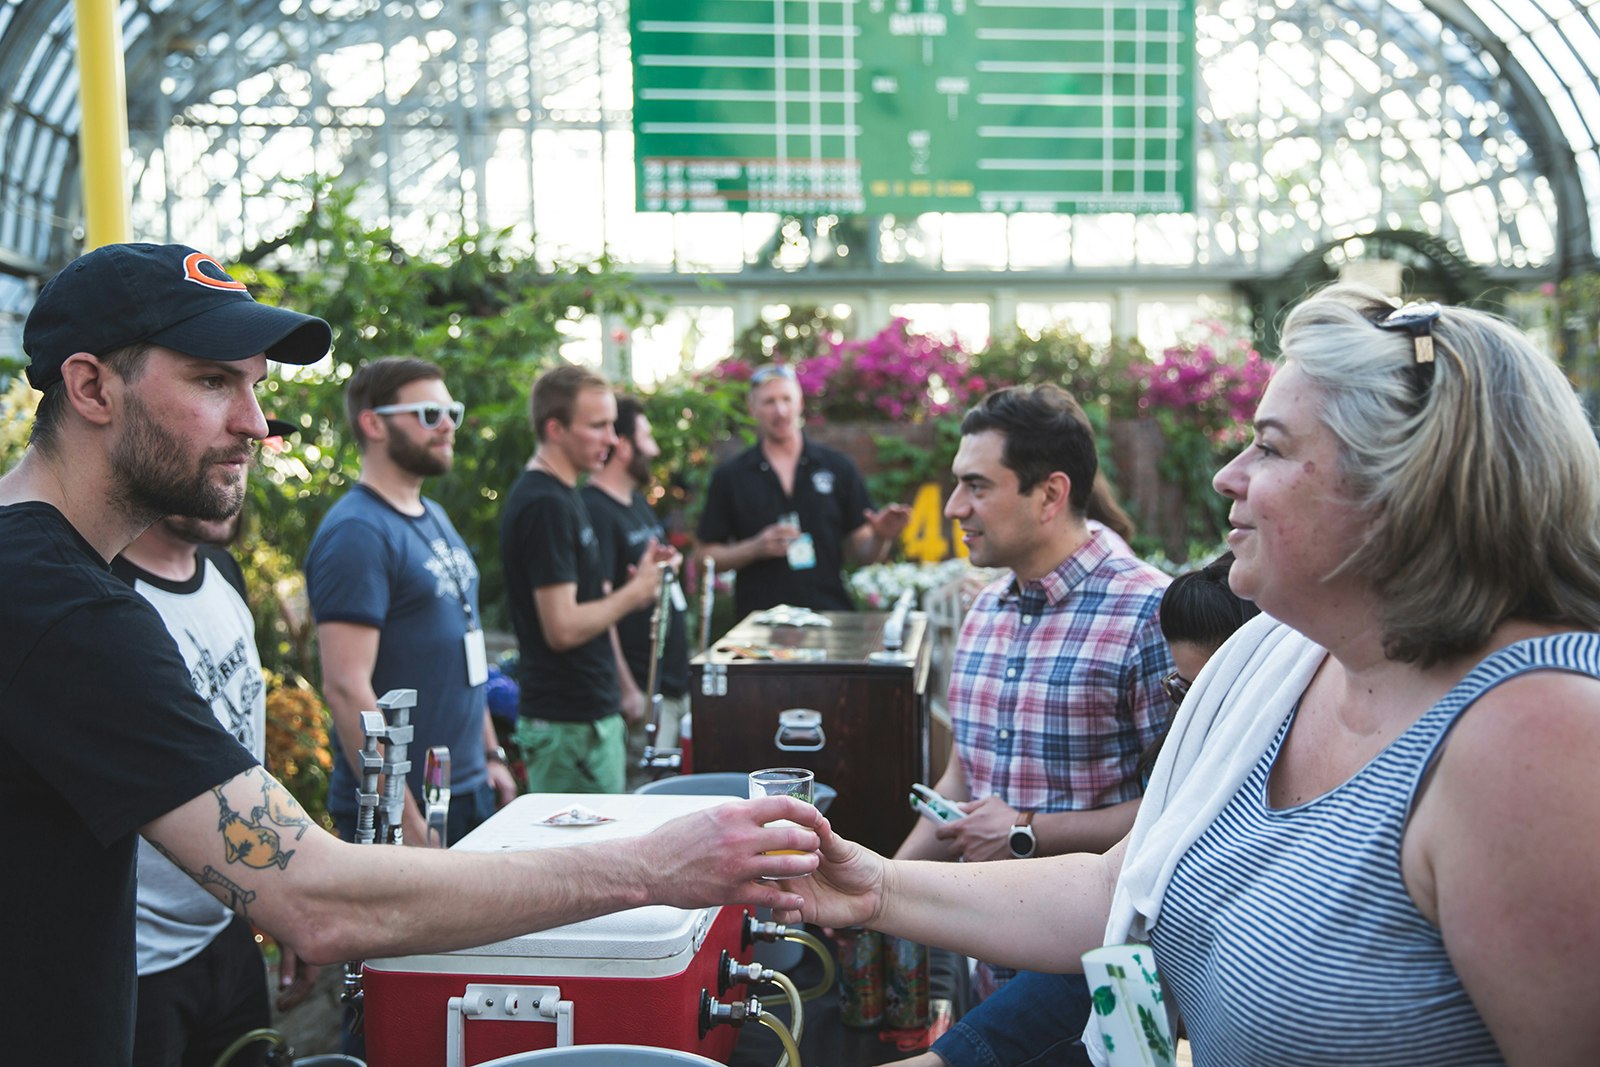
903 106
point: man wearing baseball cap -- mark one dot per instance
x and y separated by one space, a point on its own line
148 357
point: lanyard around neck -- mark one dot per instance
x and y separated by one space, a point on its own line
447 559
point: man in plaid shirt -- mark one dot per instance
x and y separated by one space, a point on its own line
1056 686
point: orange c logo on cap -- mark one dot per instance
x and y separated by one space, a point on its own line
191 272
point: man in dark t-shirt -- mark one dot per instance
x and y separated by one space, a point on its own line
624 525
562 602
393 588
148 357
784 512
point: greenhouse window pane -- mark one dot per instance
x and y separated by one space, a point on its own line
1500 24
1525 13
1552 88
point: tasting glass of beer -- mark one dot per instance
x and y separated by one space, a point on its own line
797 782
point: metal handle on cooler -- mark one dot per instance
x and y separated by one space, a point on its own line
800 730
504 1003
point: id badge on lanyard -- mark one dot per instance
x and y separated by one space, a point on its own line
477 657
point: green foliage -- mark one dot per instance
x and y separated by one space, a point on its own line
1096 375
1575 333
802 333
16 420
904 466
689 418
481 309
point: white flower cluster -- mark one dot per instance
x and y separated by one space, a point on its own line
878 586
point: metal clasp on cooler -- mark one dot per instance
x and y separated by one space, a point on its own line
504 1003
714 680
800 730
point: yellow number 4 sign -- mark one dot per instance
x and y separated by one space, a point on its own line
924 537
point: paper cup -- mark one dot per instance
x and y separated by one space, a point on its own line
1132 1010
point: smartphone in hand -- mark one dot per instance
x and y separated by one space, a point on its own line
931 805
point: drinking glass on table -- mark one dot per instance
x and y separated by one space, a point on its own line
797 782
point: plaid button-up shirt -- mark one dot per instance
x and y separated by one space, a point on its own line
1055 688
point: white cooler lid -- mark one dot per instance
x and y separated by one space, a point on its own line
656 932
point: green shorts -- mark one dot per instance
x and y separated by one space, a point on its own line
574 757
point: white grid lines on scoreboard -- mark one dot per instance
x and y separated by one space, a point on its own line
769 62
1078 133
1000 33
1019 66
753 29
1147 166
738 95
1077 5
739 127
1080 99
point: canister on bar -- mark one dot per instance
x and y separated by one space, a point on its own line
860 977
905 998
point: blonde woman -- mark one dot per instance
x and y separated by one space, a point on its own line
1373 835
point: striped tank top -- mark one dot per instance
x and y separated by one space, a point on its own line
1287 936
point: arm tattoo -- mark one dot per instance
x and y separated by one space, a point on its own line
231 893
246 840
235 896
280 808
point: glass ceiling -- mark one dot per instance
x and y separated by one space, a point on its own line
1472 120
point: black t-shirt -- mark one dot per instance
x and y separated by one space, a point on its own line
745 497
546 538
623 531
100 733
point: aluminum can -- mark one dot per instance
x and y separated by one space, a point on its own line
860 977
905 999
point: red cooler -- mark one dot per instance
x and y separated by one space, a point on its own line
634 977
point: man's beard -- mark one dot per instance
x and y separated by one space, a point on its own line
148 483
639 468
416 459
203 531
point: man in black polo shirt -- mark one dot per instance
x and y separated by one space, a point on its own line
782 512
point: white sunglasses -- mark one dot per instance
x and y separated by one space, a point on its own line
428 413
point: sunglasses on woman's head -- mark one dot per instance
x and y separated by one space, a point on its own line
428 413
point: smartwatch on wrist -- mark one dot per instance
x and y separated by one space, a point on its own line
497 754
1023 843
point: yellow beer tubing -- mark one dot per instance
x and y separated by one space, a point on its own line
272 1037
103 134
813 942
796 1011
791 1051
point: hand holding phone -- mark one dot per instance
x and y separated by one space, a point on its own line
931 805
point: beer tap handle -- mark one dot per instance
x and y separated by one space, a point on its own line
660 622
707 593
436 795
373 729
396 707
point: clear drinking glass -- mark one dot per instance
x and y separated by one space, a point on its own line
797 782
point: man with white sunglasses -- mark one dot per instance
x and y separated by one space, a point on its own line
394 591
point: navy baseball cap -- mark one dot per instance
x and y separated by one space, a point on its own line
169 295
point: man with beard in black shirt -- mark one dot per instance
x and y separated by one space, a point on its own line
148 357
624 526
